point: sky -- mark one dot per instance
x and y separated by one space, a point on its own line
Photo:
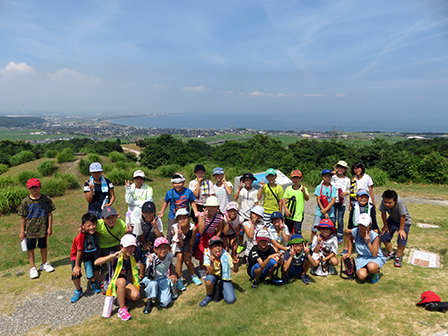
354 64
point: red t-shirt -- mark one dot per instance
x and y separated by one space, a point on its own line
78 244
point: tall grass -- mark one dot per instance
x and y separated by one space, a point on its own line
7 181
11 197
22 157
66 155
46 168
3 168
53 186
70 180
51 153
24 176
116 156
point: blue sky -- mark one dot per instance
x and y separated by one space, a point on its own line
367 63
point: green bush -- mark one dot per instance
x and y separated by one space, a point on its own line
24 176
93 157
22 157
70 180
116 156
53 186
118 176
10 198
313 178
7 181
83 166
46 168
379 177
51 153
66 155
168 170
3 168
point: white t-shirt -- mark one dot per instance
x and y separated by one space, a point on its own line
344 184
247 199
251 242
233 225
275 236
364 183
223 197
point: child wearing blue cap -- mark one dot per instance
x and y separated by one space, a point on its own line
297 259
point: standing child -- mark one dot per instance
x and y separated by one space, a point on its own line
36 225
232 228
223 189
125 282
211 223
99 191
294 202
179 197
326 197
273 195
219 263
399 220
325 248
361 180
136 195
279 232
159 272
342 185
201 188
85 248
297 259
184 234
370 259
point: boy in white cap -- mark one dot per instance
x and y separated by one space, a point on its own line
136 194
99 191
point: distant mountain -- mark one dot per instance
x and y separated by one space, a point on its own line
20 121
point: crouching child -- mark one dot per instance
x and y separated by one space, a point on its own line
325 249
297 260
218 280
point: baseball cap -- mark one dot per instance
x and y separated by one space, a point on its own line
296 173
276 214
108 211
326 223
427 297
263 235
364 219
95 167
361 192
271 171
148 207
211 201
218 170
181 212
248 175
296 239
232 205
33 182
177 178
161 240
326 171
258 210
215 240
139 173
128 240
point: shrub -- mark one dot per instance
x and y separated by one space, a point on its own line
118 176
24 176
70 180
7 181
51 153
116 156
53 186
65 156
313 177
83 166
168 170
130 156
379 177
10 198
3 168
46 168
93 157
22 157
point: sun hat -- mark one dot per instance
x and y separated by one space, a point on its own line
258 210
108 211
248 175
326 223
263 235
215 240
218 170
326 171
361 192
276 214
271 171
296 173
139 173
341 163
161 240
211 201
427 297
182 212
296 239
232 206
148 207
364 219
128 240
33 182
177 178
95 167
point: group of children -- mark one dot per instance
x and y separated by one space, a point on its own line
205 222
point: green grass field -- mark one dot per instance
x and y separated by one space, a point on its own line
327 306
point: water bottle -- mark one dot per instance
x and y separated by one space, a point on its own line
23 245
104 202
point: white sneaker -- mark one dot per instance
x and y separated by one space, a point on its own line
46 267
34 273
202 273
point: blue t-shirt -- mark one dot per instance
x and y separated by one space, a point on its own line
179 200
330 192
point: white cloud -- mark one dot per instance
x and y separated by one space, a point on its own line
314 95
242 93
228 92
340 95
261 94
257 93
13 68
282 95
195 89
161 86
69 76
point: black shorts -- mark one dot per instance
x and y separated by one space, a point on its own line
31 243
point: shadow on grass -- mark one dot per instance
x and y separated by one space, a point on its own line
61 262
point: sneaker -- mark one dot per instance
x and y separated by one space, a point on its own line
240 249
305 279
344 251
196 280
390 255
206 301
339 239
375 278
255 283
397 262
96 287
202 274
46 267
124 314
148 307
180 285
332 270
174 291
34 273
76 296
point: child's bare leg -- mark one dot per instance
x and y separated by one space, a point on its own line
257 273
209 287
77 283
373 267
362 273
121 291
188 263
132 293
389 247
31 258
306 266
43 253
225 241
95 276
201 264
179 257
333 261
233 246
142 269
312 235
400 250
